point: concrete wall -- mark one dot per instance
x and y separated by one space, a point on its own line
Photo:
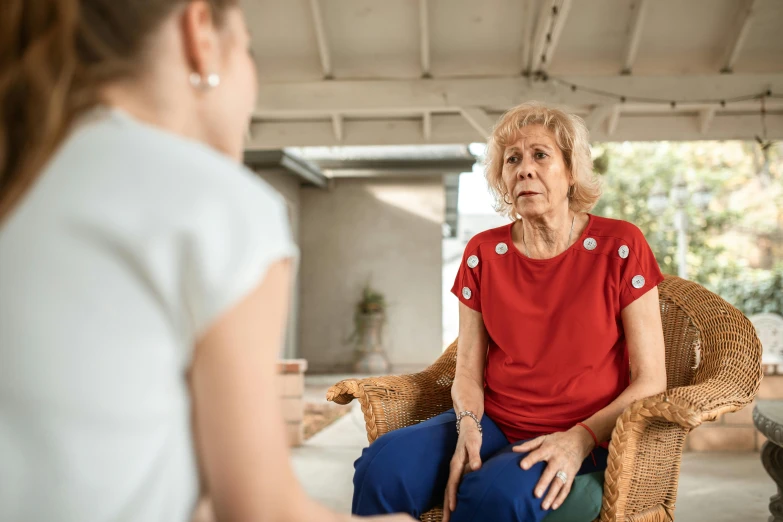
289 186
388 231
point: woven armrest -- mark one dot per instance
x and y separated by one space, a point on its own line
645 453
409 385
396 401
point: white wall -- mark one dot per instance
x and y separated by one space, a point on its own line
385 230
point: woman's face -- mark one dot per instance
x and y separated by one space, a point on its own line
534 175
227 108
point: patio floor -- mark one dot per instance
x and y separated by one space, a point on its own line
713 487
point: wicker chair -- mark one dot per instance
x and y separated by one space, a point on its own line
713 365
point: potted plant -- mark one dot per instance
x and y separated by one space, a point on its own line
368 319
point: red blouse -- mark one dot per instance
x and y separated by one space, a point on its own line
557 352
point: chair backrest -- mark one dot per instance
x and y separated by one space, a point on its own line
710 343
681 337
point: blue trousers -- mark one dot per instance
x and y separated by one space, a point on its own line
406 470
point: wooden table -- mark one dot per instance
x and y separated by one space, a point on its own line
768 418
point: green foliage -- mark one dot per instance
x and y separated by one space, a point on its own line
601 164
372 301
754 291
630 175
629 172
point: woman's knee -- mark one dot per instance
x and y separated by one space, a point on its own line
398 471
378 459
376 472
501 491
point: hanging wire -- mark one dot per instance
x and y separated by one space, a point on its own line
541 74
673 103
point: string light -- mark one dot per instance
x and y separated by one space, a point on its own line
622 98
542 75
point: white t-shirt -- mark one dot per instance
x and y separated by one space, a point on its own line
128 247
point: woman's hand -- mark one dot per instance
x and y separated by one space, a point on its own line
564 451
467 458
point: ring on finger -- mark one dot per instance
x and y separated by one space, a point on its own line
562 476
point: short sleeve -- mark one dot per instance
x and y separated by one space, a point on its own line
240 233
640 272
467 284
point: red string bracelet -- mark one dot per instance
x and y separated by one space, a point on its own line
595 439
585 426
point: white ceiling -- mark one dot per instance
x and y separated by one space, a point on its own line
406 72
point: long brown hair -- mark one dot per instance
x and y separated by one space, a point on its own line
54 56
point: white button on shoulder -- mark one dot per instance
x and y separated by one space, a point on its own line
501 248
590 243
466 293
473 261
623 251
637 281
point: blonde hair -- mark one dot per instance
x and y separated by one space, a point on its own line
571 136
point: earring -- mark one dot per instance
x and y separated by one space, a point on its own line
213 80
504 199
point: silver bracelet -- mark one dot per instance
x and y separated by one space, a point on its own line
470 414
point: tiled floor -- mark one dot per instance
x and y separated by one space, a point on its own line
713 487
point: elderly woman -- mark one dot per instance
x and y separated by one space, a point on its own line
560 331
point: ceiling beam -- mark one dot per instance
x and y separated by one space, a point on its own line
320 36
705 119
738 35
560 20
597 116
538 37
426 124
337 125
479 120
455 129
527 35
550 25
287 100
634 35
424 37
613 120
